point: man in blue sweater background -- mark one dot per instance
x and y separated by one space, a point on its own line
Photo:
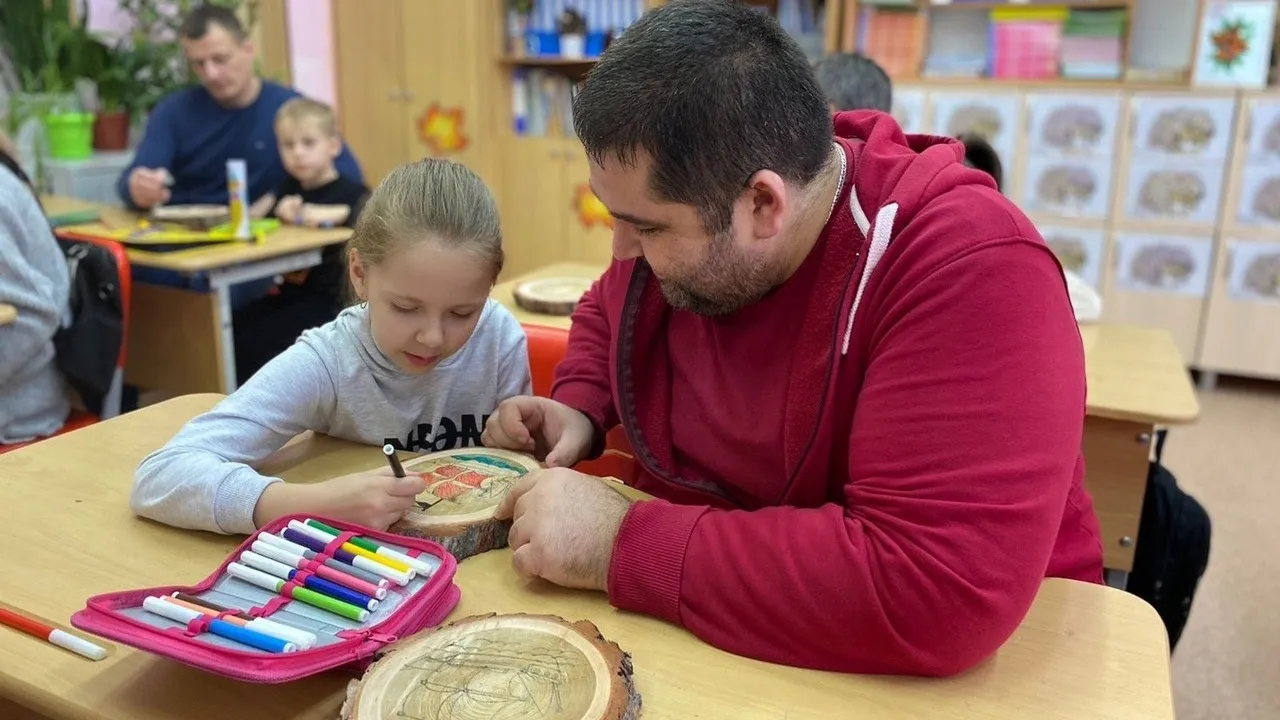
192 133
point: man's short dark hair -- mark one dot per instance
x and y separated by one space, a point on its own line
197 22
713 91
853 81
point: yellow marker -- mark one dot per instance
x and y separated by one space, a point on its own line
393 564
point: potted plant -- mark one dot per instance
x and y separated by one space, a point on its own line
518 26
573 34
115 91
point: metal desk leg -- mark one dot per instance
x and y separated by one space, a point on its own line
221 280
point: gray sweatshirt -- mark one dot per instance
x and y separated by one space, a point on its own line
334 381
33 279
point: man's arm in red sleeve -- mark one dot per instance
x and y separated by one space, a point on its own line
582 377
964 443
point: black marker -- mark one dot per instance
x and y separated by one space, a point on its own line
396 467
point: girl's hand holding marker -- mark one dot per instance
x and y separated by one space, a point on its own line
372 498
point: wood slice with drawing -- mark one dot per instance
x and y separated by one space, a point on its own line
199 217
551 296
464 487
499 667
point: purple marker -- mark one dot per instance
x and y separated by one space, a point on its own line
310 554
343 556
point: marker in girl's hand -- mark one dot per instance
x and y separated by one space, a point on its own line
390 451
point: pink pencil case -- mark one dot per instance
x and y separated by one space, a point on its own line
338 641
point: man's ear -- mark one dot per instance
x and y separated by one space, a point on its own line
767 197
358 274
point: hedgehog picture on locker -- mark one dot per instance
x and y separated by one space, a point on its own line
976 118
1070 251
1162 266
1067 187
1074 128
1182 130
1172 193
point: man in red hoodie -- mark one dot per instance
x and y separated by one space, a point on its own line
848 368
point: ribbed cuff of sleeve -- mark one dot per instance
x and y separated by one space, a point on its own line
235 500
648 558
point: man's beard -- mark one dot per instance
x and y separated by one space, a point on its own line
726 281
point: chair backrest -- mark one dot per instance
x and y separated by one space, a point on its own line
547 346
93 347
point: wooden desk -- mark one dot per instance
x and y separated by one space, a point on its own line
8 313
1082 651
181 340
1136 378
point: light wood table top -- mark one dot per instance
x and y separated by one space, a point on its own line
288 239
1133 373
1082 651
8 313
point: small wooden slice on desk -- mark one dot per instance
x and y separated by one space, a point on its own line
200 217
514 667
551 296
464 487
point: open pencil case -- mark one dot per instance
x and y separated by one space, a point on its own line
312 606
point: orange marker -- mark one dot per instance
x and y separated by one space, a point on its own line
63 639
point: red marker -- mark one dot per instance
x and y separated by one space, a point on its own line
61 638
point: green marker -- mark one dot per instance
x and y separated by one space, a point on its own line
310 597
423 568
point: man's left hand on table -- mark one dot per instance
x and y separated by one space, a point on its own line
563 527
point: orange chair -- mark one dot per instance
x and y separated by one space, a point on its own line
547 346
112 402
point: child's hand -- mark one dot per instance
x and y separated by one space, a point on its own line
289 209
373 498
316 216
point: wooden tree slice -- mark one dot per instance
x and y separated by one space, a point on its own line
464 488
551 296
201 217
499 667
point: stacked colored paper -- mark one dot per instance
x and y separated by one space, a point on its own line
1092 44
1026 42
892 37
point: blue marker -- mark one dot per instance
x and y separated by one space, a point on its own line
222 628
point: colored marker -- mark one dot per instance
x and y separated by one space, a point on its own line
390 451
304 640
351 547
422 568
310 597
343 555
284 556
162 607
310 554
319 584
25 623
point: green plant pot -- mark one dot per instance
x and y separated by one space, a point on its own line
70 135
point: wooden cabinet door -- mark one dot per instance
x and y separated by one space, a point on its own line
588 226
1160 280
452 83
534 203
367 48
1242 325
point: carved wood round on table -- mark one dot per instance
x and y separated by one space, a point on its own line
551 296
464 487
201 217
499 667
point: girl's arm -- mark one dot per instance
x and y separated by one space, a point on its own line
203 478
33 279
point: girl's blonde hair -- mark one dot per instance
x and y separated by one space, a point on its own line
431 199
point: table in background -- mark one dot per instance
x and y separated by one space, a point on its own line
1137 381
1082 651
8 313
180 339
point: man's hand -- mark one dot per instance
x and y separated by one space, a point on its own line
149 187
563 527
540 426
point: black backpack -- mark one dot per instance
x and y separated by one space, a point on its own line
88 348
1173 548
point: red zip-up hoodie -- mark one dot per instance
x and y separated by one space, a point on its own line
931 433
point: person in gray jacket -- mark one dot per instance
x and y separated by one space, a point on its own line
34 399
419 364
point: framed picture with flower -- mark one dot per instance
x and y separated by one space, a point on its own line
1233 46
